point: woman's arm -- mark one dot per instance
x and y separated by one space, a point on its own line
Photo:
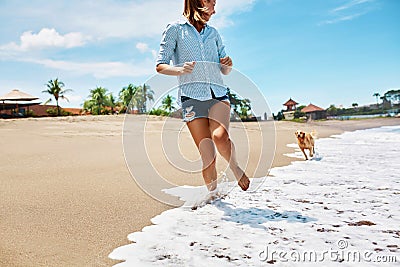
175 71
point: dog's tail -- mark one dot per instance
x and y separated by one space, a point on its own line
314 134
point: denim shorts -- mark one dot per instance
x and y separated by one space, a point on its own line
193 108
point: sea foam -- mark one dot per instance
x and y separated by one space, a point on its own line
341 206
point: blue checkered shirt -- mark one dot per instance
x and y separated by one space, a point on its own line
181 43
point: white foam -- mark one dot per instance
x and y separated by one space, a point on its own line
308 206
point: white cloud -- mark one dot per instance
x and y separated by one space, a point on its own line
226 9
46 38
109 18
100 19
344 18
50 37
144 48
82 21
351 4
349 11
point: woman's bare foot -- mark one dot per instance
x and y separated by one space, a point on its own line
244 182
212 186
241 177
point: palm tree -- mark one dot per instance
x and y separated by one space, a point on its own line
332 110
168 103
141 96
377 95
111 102
55 89
147 95
88 105
137 96
97 101
392 95
234 100
138 99
126 95
244 107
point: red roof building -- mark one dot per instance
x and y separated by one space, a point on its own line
312 108
314 112
290 105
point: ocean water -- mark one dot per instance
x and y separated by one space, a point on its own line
341 206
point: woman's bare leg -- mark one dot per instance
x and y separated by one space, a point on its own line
219 127
200 131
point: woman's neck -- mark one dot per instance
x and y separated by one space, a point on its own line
199 27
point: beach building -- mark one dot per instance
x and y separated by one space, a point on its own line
290 109
16 104
314 112
20 104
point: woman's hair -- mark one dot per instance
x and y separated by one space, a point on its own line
193 11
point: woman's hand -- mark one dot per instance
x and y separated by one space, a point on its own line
226 65
167 69
188 67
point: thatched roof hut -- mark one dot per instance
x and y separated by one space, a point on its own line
16 100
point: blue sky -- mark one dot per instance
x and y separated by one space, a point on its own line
319 51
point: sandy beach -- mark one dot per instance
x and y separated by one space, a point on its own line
67 197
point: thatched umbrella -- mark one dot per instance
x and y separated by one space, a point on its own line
16 95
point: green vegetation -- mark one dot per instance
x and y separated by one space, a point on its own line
53 112
159 112
55 89
298 114
167 103
390 102
240 107
126 95
101 102
392 95
134 99
166 108
97 103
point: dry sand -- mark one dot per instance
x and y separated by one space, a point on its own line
66 194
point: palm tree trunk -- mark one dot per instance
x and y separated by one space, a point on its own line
58 108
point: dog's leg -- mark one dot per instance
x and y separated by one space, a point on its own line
302 150
311 152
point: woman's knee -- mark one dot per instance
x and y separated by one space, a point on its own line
220 137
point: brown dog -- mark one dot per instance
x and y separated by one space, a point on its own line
305 141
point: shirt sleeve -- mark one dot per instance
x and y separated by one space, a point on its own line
220 47
167 45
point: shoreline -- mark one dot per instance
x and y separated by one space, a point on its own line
67 197
346 193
